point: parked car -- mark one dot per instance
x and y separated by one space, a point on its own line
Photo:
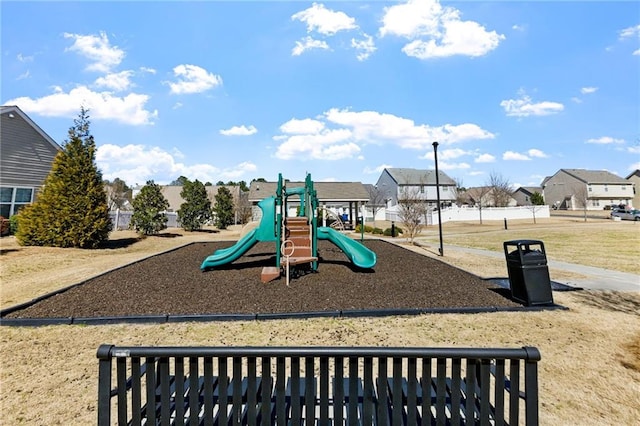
626 214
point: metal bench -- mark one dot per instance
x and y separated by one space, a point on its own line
317 385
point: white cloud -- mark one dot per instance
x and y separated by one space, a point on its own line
372 126
239 131
306 44
97 49
634 149
510 155
341 134
129 109
325 21
576 99
365 47
23 58
588 90
193 79
605 140
447 154
525 107
116 81
536 153
437 31
136 164
443 165
630 32
376 170
302 127
148 70
485 158
325 145
634 166
518 27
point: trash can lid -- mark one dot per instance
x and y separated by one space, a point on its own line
517 242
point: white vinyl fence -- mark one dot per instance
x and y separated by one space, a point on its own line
470 214
122 219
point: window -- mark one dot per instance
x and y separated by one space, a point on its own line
13 199
422 189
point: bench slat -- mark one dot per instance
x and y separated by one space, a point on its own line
372 386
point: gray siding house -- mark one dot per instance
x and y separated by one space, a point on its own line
396 183
523 194
26 156
634 178
577 189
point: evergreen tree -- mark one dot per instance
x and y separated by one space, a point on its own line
196 210
71 210
149 208
537 199
224 208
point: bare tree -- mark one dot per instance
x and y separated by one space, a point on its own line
243 211
500 189
376 201
459 191
479 195
411 210
118 193
537 203
581 197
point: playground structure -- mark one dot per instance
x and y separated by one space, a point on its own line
296 237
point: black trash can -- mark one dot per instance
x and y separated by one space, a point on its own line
528 272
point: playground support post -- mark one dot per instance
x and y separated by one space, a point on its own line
435 157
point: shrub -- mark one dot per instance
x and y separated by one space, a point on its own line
367 229
387 232
196 210
224 208
13 224
377 231
149 208
5 227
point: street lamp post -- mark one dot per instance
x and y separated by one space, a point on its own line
435 157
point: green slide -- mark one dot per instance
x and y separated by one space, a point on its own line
357 253
227 255
265 232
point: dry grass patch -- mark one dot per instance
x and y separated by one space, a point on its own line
599 243
588 374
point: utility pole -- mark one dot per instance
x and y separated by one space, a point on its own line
435 157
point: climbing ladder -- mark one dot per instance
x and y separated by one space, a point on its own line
298 233
295 236
296 249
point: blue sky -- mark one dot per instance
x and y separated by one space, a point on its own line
242 90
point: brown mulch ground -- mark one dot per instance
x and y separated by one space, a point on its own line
173 284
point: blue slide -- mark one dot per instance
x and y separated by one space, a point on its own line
229 254
357 253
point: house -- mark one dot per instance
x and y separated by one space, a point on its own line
26 156
523 194
172 194
402 183
342 198
634 178
487 196
577 189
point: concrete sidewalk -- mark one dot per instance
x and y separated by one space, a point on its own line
597 278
